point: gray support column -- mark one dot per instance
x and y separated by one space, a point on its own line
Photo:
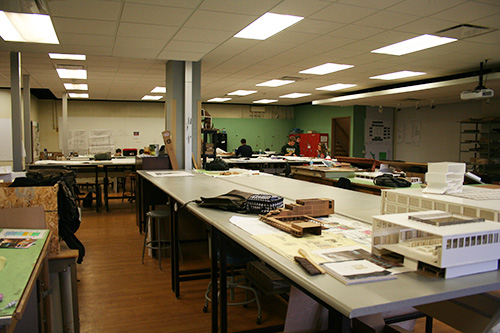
17 115
182 99
63 130
27 119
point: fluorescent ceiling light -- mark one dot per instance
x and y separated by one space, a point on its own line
242 92
275 83
267 25
336 86
30 28
67 56
295 95
78 95
265 101
325 69
151 97
414 44
159 90
77 86
65 73
397 75
219 99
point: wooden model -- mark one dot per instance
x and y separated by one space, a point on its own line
298 218
438 242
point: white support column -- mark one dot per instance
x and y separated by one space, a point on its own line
188 114
17 114
64 126
27 119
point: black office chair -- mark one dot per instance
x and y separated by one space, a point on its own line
288 170
344 183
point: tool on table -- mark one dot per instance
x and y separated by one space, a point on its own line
308 263
9 305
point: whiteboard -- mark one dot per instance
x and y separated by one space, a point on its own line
6 141
122 129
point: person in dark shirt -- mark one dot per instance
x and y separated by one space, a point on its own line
297 145
244 150
290 149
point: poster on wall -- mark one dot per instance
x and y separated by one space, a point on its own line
378 134
409 132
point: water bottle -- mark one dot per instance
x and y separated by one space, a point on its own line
311 164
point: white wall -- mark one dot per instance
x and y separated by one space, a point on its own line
122 118
433 135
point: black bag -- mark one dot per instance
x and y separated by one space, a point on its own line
389 180
217 165
243 202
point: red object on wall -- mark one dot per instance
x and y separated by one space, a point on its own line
309 143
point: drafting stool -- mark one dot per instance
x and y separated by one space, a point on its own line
155 221
130 177
236 256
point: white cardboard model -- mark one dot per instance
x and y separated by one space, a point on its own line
444 177
459 245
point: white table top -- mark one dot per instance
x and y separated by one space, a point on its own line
118 161
276 159
353 301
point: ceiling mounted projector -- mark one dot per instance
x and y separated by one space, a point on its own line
480 91
477 94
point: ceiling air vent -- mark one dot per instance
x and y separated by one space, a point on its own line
463 31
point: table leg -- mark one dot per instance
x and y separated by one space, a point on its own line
223 281
174 246
214 238
106 184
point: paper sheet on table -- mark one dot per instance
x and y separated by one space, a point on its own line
23 233
169 173
253 225
288 245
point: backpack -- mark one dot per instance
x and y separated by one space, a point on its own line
389 180
67 207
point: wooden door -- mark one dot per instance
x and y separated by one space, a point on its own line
341 136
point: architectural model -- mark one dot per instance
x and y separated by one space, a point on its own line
441 243
444 177
299 218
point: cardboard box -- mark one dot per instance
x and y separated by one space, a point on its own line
44 196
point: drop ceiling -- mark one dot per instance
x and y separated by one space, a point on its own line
128 42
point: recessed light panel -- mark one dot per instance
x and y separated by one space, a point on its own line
414 44
397 75
267 25
336 86
78 95
151 97
275 83
265 101
29 28
65 73
325 69
242 92
77 86
67 56
159 90
219 99
295 95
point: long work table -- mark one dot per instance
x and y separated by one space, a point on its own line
344 302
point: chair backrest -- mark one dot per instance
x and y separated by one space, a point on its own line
344 183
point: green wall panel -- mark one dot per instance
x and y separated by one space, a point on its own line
259 133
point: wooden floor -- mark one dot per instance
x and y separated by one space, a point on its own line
119 294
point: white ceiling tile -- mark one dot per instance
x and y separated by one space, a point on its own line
379 4
81 26
427 26
88 9
354 31
468 11
319 27
254 7
203 35
178 55
150 14
185 46
146 30
342 13
424 7
170 3
142 43
387 20
219 21
134 52
303 8
86 40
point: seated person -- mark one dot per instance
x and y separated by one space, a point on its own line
297 145
244 150
290 149
118 152
322 150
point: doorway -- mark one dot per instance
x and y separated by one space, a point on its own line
341 136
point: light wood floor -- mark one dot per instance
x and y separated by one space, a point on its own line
119 294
